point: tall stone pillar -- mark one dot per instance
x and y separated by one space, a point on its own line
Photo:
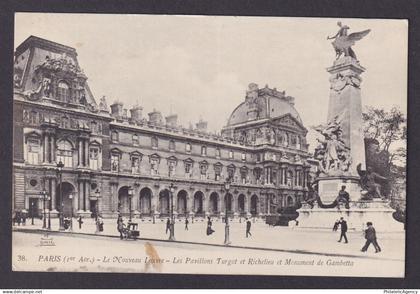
79 153
87 153
346 103
345 110
52 149
45 150
80 196
86 196
53 194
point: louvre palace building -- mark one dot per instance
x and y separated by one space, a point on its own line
117 159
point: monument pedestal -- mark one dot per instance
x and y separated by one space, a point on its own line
328 187
376 211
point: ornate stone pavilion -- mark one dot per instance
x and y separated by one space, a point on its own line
110 153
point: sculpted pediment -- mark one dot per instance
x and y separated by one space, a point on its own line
290 121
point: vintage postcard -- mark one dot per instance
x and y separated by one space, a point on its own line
209 145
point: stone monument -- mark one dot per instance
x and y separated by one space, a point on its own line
341 151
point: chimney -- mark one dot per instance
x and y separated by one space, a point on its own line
201 126
172 120
117 110
136 113
155 117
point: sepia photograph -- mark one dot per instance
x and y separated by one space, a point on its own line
217 145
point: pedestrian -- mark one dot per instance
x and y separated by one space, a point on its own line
370 236
120 226
100 224
248 227
18 218
186 223
343 226
23 218
209 230
335 227
168 225
80 221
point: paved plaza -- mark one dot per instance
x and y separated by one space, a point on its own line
289 239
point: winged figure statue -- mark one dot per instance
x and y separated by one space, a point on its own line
342 42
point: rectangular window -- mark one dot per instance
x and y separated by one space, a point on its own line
154 167
115 162
66 157
188 147
33 151
154 142
231 154
218 152
135 165
203 172
114 136
94 158
217 173
171 169
204 150
188 169
171 145
135 140
243 156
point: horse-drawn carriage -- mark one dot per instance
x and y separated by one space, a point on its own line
131 231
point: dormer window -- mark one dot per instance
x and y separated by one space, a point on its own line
63 92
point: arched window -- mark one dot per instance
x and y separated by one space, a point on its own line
63 92
218 152
203 150
65 153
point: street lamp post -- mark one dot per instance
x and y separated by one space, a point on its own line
227 187
60 166
32 211
45 197
130 196
172 224
71 211
97 193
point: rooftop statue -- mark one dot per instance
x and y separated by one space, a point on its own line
342 42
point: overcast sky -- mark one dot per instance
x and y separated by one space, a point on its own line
200 66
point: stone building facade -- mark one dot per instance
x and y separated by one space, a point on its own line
116 160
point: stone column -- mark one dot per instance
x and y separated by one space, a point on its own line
86 196
45 150
53 156
79 196
53 193
79 152
87 152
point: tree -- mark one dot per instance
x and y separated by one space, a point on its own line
385 135
387 128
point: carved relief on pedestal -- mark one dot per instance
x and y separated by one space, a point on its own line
342 79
